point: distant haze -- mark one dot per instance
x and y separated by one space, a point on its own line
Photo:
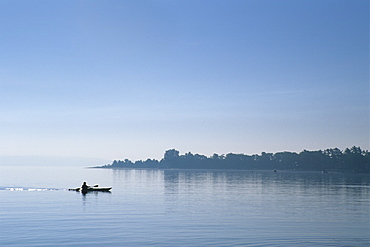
29 160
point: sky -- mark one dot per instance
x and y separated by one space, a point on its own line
131 79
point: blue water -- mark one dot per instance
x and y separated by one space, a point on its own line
183 208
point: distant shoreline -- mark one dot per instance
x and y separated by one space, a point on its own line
352 160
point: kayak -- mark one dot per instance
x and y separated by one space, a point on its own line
90 189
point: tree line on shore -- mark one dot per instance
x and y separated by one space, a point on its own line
351 159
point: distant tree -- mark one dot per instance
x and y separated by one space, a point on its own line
115 163
335 160
266 160
286 160
171 158
239 161
171 154
312 160
356 160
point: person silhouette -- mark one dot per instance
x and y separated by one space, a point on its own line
84 188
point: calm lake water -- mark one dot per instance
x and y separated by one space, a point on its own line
183 208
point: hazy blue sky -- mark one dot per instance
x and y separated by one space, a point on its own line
131 79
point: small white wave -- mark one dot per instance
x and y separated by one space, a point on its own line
29 189
13 189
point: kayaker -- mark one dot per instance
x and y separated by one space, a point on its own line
84 187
